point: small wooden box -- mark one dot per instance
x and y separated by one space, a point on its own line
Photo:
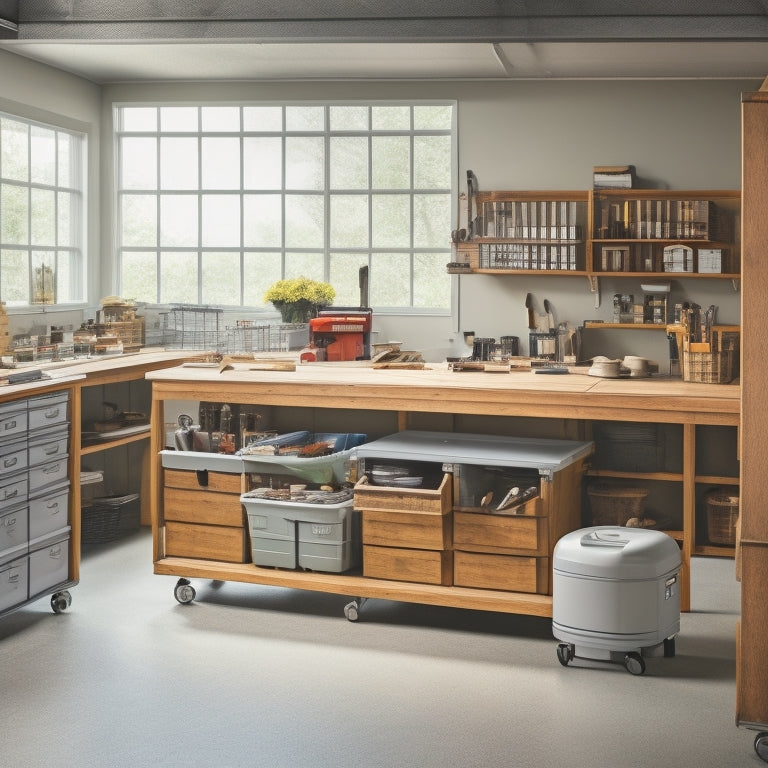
504 572
401 564
220 482
385 497
203 507
417 530
208 542
523 533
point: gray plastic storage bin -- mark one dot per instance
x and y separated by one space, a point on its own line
14 532
294 534
48 512
46 475
14 419
13 456
48 445
14 490
14 583
47 410
615 591
48 561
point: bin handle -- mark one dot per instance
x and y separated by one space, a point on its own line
603 539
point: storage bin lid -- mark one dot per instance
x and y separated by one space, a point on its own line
616 552
194 460
545 455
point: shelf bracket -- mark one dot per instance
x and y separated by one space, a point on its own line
594 287
736 282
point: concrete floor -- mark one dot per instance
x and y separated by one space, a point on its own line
263 676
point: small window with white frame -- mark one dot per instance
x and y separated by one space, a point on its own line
42 213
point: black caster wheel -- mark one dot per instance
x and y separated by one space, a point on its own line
565 653
184 592
669 647
634 663
761 746
61 601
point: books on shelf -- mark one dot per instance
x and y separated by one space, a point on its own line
613 176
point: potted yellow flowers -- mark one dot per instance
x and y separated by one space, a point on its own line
299 298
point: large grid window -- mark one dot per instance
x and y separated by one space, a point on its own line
41 213
216 203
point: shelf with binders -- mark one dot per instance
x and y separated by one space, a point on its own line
637 233
526 232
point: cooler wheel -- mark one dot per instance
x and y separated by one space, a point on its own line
60 601
184 592
634 663
669 647
761 745
565 653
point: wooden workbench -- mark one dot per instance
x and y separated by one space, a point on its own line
575 399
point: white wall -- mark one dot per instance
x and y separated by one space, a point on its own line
38 92
513 135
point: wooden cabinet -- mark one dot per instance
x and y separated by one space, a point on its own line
752 638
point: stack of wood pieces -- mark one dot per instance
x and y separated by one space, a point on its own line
397 358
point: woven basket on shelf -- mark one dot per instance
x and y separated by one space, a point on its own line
722 515
615 504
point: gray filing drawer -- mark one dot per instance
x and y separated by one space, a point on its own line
14 490
13 456
48 513
13 419
14 583
48 561
48 445
47 474
47 410
14 532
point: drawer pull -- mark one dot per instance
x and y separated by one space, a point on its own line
7 425
52 469
10 462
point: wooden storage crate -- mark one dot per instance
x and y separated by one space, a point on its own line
423 566
525 531
416 530
722 506
203 515
386 497
505 572
211 542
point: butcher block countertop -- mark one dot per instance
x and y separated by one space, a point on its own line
436 388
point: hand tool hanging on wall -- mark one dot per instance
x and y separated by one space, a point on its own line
471 191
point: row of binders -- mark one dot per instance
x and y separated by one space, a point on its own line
530 256
534 219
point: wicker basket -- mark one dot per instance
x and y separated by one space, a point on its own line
722 515
708 367
615 504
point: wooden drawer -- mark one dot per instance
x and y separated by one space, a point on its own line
401 564
205 507
416 530
505 572
385 497
209 542
217 482
525 533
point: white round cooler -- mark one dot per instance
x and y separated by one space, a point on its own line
616 595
